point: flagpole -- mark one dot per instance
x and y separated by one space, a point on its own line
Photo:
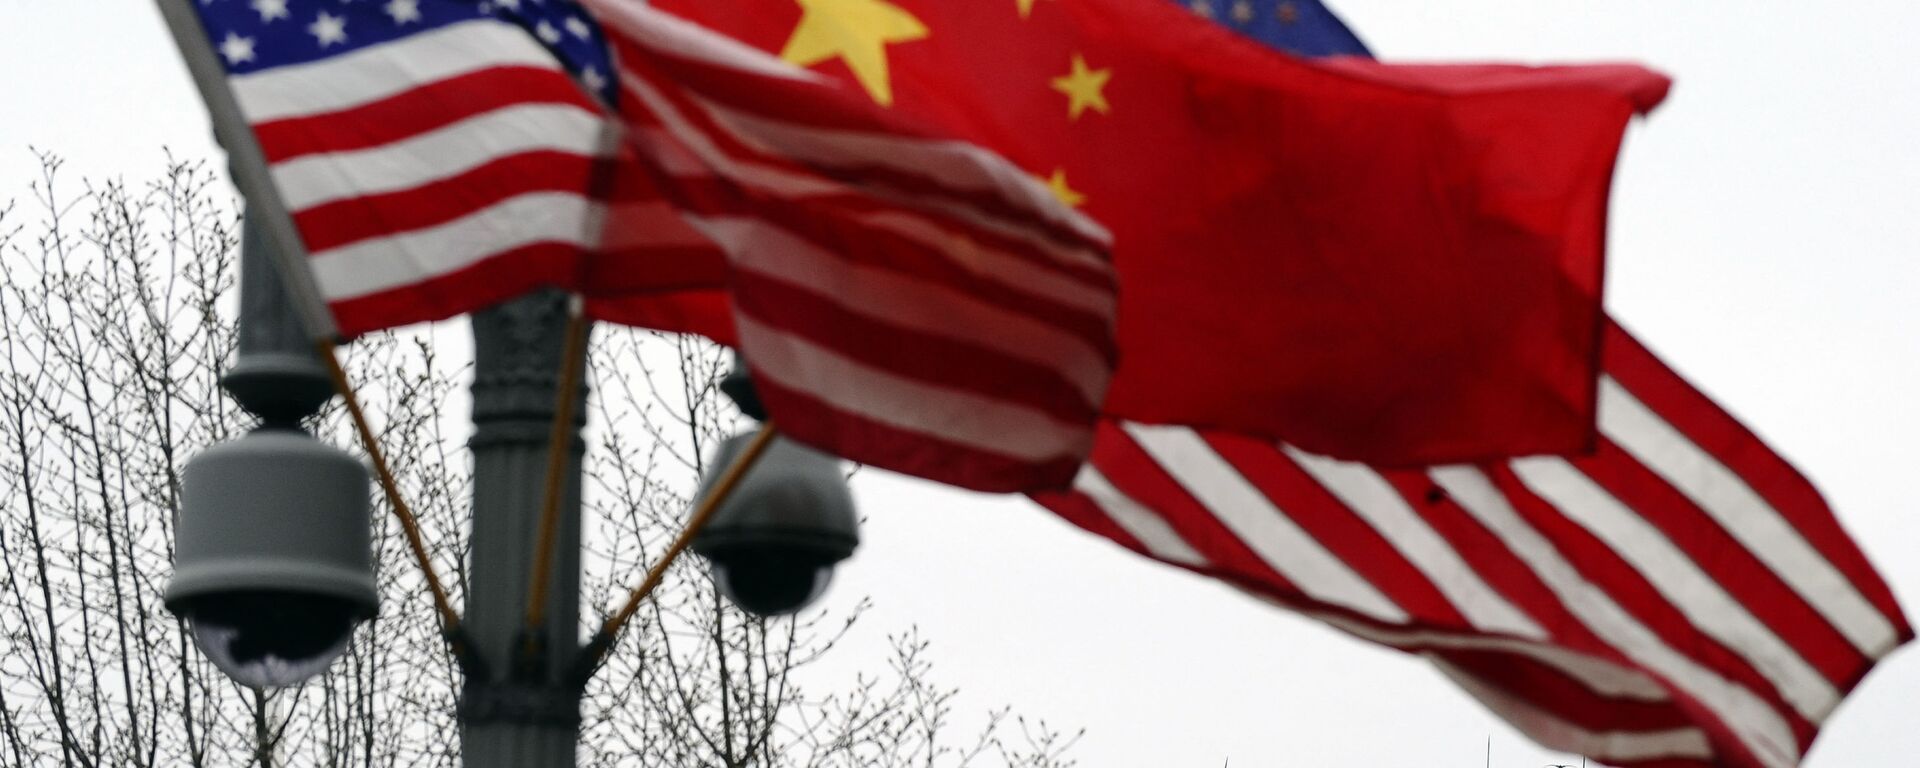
248 164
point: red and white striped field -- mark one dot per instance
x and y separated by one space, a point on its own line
1683 597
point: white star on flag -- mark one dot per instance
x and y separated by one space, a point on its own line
547 33
404 11
328 29
595 81
270 9
578 28
511 5
237 49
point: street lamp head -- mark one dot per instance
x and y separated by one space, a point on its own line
272 561
775 541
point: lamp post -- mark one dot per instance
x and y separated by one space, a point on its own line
522 710
273 566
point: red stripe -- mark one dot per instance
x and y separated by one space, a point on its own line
487 282
705 312
1719 434
652 269
343 222
1555 692
825 224
937 361
418 110
855 437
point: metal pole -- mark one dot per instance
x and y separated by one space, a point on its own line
524 712
274 375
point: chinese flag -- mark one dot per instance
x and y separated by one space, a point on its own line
1396 264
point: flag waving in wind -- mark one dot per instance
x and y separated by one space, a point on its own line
1386 262
438 157
907 300
1681 597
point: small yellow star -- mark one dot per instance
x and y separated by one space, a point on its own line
856 32
1026 7
1288 13
1202 8
1057 184
1083 88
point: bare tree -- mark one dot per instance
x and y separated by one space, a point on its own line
115 322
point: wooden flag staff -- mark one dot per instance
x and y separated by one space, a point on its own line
572 365
602 642
449 618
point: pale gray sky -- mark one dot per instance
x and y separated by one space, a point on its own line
1764 240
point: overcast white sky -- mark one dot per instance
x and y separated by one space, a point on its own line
1764 240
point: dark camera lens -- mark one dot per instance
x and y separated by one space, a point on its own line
271 639
770 582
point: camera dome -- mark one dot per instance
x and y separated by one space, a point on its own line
774 543
273 564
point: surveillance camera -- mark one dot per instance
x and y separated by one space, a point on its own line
775 541
272 560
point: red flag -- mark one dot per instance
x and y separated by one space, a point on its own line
1682 597
1393 263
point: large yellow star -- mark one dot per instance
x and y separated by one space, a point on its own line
856 32
1057 184
1026 7
1083 88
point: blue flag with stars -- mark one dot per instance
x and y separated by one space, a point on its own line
1299 27
254 35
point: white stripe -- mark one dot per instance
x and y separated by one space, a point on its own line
1704 602
380 71
1745 516
1556 733
669 34
1598 675
1375 500
1265 529
955 165
906 302
1757 724
381 264
977 422
682 138
442 153
1143 524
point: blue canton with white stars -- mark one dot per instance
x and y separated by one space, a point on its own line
1300 27
252 35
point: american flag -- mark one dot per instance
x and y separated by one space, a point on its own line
438 156
904 299
1681 597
